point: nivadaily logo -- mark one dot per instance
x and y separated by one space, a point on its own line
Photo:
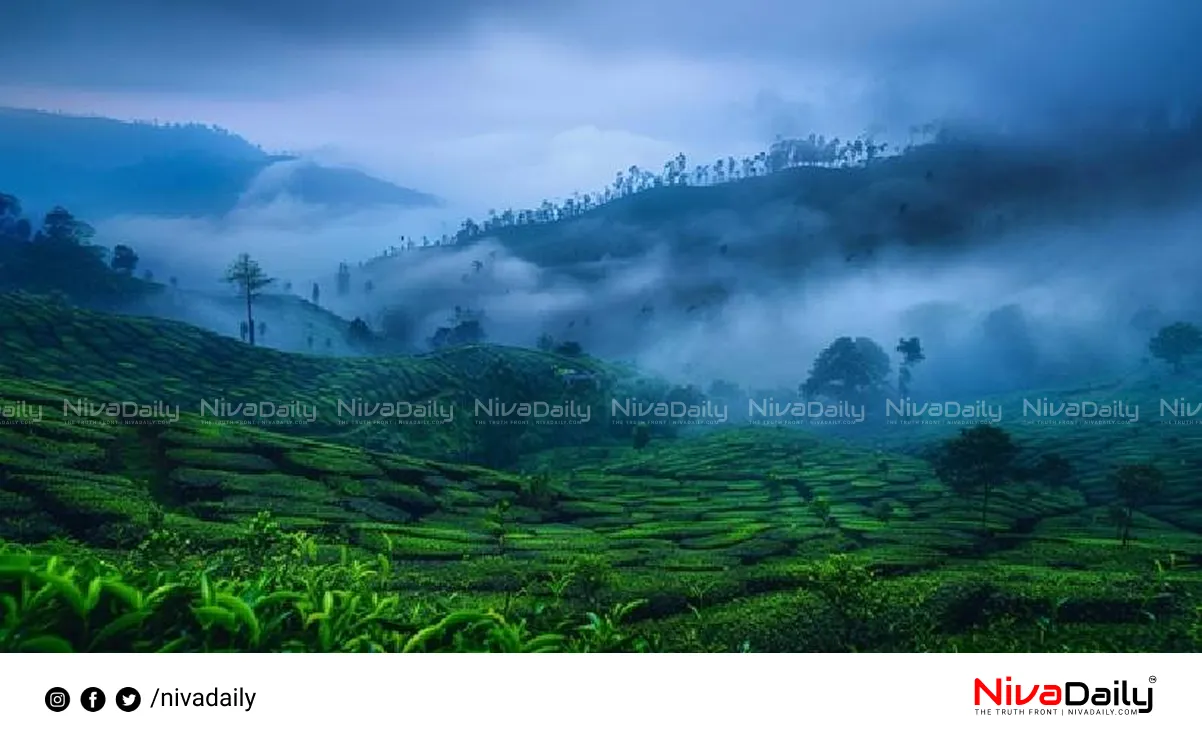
1071 697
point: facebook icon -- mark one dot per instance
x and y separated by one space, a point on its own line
92 699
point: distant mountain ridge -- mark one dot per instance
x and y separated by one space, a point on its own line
103 167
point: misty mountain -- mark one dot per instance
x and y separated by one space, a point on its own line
1019 261
104 167
1022 261
967 187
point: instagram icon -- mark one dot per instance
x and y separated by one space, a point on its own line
57 699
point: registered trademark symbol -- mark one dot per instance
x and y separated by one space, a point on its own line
1151 679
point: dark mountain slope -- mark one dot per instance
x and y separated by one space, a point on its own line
103 167
932 198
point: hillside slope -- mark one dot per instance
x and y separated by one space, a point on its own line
117 358
102 167
934 197
736 537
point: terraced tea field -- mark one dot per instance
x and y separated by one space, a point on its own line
110 358
719 533
1094 449
729 517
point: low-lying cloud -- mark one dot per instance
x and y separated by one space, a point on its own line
1046 305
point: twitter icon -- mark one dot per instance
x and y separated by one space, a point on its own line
128 699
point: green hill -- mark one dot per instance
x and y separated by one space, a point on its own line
753 537
115 358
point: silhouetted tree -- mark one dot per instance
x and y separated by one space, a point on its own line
1135 485
978 460
464 329
359 334
847 370
316 294
911 353
1175 343
59 224
344 279
246 274
569 348
124 259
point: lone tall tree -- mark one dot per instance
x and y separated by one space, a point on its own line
1135 485
977 461
246 274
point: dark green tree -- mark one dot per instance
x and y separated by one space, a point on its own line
883 510
848 369
978 460
1135 485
